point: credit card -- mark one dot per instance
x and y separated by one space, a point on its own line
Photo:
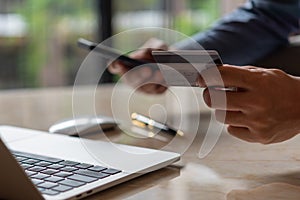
182 67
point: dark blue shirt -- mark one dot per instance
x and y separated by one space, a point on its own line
251 32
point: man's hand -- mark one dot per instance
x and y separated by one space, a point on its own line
265 108
146 79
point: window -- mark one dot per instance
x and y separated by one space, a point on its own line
186 16
38 41
38 37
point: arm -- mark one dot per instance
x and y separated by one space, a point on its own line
251 32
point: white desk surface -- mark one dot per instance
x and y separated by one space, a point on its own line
233 170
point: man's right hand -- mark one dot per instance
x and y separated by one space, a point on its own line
143 78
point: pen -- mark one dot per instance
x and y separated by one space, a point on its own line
143 121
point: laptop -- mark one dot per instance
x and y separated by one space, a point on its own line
40 165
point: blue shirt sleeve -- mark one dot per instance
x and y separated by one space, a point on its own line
250 32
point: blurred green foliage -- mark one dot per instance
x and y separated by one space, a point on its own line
44 18
200 15
126 6
47 19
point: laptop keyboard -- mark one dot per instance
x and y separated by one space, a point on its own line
53 176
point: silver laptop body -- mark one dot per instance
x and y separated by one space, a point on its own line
16 184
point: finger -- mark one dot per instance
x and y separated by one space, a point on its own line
160 89
232 118
142 54
137 76
152 88
158 78
221 100
147 88
241 133
155 85
154 43
117 67
145 52
227 75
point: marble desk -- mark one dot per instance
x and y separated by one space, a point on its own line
233 170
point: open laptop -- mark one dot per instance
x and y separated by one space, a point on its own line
39 165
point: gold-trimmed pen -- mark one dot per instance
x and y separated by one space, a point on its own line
143 121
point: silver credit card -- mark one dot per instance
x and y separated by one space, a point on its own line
182 67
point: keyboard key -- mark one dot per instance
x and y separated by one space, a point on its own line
85 179
71 183
26 166
84 166
50 171
62 188
30 161
19 159
54 179
55 166
69 163
50 192
63 174
47 185
36 168
98 175
40 176
97 168
43 164
68 169
111 171
36 181
41 189
30 173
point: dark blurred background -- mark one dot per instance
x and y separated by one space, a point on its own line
38 37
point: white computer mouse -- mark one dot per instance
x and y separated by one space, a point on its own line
84 125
